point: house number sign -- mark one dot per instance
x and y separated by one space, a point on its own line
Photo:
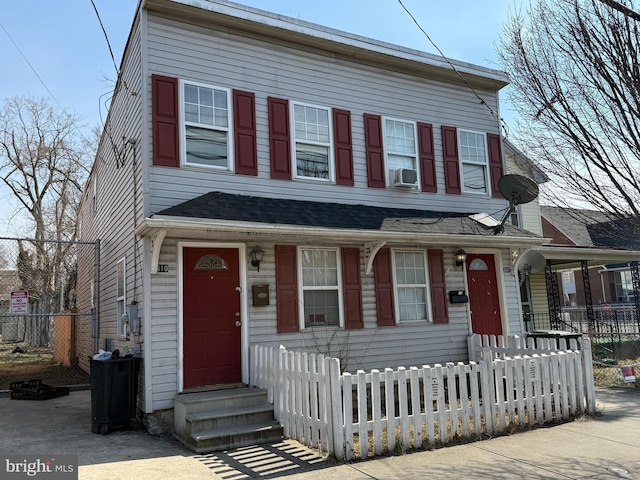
163 268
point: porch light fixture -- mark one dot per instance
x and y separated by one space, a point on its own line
256 256
461 257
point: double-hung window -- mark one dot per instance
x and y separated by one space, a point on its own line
412 286
321 287
624 286
474 162
312 142
206 128
400 145
121 299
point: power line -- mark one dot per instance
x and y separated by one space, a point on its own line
106 38
32 68
482 101
622 8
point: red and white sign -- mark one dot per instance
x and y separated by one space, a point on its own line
20 303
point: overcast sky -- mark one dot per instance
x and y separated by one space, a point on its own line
63 42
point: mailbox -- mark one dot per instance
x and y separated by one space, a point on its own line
458 296
260 295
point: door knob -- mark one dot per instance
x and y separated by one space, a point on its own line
238 323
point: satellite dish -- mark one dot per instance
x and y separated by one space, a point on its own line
531 262
518 190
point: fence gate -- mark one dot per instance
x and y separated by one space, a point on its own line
48 310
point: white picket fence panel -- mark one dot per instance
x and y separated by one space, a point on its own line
368 413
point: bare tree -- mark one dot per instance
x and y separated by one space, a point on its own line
44 163
575 73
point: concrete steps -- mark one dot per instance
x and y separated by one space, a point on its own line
224 419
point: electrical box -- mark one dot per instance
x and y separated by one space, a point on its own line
458 296
260 294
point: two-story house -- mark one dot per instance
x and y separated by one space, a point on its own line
265 180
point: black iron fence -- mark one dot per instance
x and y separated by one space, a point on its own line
610 320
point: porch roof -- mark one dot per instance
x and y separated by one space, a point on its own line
218 211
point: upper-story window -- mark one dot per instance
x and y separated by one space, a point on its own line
206 127
400 146
474 162
312 150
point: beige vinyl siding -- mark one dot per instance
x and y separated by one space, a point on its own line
226 59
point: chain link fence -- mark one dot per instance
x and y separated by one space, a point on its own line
48 290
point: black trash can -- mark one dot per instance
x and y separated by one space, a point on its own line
114 389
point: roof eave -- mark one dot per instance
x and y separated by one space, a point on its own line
309 34
208 228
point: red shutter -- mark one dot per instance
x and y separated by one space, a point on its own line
286 288
427 158
244 132
343 146
375 158
495 163
438 286
279 138
384 288
450 157
164 118
351 288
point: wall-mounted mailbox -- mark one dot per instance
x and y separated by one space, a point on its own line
458 296
260 295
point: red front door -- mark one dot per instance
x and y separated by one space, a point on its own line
483 295
211 309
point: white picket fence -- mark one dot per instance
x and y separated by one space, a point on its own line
372 413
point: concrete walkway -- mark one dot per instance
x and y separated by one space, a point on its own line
603 447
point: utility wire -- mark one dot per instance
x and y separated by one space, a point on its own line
501 122
113 59
32 68
622 8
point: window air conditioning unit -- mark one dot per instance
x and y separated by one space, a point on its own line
406 177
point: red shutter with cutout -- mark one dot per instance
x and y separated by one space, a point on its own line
351 288
450 157
495 163
384 288
437 284
343 147
427 158
244 132
374 150
164 119
279 138
286 288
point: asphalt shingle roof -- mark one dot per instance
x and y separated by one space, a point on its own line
245 208
591 228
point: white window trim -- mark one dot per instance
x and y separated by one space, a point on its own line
387 167
428 306
487 180
294 167
183 124
121 298
301 288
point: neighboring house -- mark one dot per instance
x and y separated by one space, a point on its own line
589 262
265 180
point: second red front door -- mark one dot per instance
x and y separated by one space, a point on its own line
484 300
